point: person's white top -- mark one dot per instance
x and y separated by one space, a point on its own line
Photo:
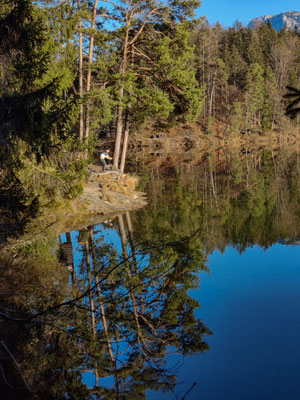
104 155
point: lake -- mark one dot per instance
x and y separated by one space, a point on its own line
194 296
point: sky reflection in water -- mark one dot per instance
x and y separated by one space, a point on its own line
251 304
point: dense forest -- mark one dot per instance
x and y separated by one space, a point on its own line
75 73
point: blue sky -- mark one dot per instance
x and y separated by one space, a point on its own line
227 12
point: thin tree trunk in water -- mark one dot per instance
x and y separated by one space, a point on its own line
69 241
92 305
102 309
129 226
89 73
123 235
247 164
81 126
213 188
141 339
130 231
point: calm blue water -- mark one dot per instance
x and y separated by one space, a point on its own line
251 303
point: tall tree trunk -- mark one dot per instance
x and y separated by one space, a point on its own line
89 73
119 130
123 68
125 145
81 126
133 12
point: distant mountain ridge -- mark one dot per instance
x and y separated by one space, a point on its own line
289 19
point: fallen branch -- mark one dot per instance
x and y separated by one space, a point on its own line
17 365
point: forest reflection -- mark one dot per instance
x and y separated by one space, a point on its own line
236 197
96 312
99 318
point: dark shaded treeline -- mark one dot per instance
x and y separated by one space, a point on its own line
36 118
75 73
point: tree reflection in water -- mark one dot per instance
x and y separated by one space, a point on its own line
112 311
231 197
85 306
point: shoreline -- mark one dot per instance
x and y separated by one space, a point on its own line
102 199
191 135
105 196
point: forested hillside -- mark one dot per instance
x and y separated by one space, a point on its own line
73 73
246 73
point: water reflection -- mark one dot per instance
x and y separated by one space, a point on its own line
100 316
237 198
96 313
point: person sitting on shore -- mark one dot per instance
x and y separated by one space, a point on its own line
105 156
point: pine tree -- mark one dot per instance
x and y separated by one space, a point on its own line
134 47
38 107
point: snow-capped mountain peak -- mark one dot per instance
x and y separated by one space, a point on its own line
290 20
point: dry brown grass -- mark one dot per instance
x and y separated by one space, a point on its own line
130 181
126 184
